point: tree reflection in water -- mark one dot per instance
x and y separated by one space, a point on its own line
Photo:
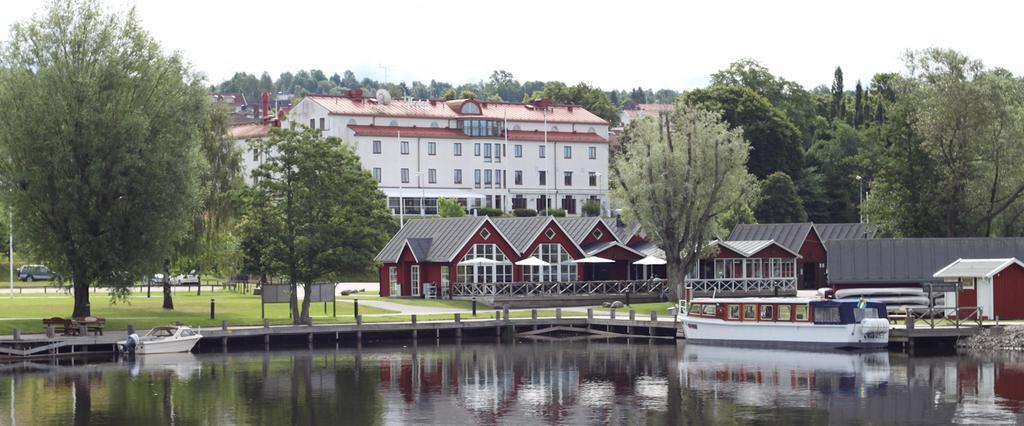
487 383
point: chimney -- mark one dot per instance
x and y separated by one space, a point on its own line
265 98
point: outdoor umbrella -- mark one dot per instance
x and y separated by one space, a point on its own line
593 259
532 261
479 261
649 260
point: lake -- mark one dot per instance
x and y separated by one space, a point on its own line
579 382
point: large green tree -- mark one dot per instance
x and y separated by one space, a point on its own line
947 155
779 202
319 212
99 143
774 140
676 176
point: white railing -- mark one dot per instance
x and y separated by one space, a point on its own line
742 285
653 286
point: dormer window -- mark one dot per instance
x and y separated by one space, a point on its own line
469 107
476 127
393 123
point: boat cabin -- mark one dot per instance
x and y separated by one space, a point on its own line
786 310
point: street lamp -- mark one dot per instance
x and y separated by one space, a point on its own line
860 197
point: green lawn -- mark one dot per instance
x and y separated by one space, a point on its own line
437 303
642 309
27 311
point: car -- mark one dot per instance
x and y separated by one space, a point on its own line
34 273
191 278
156 279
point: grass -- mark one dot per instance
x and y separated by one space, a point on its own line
437 303
642 308
27 311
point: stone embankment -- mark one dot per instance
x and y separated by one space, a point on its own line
995 338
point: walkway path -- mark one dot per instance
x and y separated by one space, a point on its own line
408 309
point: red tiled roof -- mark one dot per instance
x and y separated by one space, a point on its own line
250 130
341 105
434 132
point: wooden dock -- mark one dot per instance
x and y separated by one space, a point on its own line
28 346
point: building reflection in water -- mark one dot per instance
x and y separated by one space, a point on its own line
550 383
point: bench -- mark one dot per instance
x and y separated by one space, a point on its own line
93 325
60 325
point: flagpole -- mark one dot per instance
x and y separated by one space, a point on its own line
401 202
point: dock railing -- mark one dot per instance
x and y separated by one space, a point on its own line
638 287
938 315
741 285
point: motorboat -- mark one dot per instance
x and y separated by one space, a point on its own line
787 322
162 340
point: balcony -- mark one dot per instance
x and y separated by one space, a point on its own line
742 287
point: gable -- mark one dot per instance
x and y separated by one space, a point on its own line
556 236
486 233
599 227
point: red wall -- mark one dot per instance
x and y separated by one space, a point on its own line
606 235
493 238
1009 293
812 249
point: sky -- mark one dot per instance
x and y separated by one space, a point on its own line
613 45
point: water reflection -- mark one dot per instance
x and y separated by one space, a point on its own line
487 383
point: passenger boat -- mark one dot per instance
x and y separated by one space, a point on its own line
787 322
162 340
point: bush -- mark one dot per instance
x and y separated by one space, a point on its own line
449 208
592 208
523 212
487 211
553 212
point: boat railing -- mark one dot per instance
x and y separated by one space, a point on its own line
742 285
638 287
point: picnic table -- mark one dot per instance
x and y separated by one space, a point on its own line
73 327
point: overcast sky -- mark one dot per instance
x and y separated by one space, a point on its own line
620 44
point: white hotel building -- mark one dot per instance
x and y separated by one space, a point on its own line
483 154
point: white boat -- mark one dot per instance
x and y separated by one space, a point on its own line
164 340
787 322
879 291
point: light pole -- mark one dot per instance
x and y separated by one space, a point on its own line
401 201
10 247
423 193
860 197
547 164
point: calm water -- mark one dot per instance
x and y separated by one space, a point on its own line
520 383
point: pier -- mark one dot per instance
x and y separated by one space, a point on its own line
500 325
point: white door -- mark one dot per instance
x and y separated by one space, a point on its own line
985 291
396 287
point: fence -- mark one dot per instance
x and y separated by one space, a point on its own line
653 286
733 286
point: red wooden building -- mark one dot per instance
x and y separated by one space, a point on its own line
427 256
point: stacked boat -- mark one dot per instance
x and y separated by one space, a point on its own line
894 298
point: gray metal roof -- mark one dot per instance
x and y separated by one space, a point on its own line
789 235
845 231
623 231
650 249
975 268
577 227
909 260
432 240
520 231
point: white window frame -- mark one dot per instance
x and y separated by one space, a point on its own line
396 287
414 280
376 147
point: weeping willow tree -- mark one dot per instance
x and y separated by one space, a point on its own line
98 144
676 176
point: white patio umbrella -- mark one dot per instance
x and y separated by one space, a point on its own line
650 260
532 261
479 261
594 259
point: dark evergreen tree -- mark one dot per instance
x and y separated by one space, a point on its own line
858 106
838 105
779 202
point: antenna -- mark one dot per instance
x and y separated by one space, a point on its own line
383 97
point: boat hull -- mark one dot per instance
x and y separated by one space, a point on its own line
785 334
184 344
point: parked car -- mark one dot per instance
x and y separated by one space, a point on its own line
191 278
34 273
156 279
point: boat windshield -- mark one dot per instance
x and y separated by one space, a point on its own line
161 332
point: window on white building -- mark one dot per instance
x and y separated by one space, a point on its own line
405 175
431 175
542 177
457 149
497 178
476 149
458 176
567 152
431 148
322 121
568 178
393 123
541 152
497 153
405 147
487 152
376 147
517 151
476 178
488 177
593 178
553 129
592 153
376 174
255 154
312 123
519 177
